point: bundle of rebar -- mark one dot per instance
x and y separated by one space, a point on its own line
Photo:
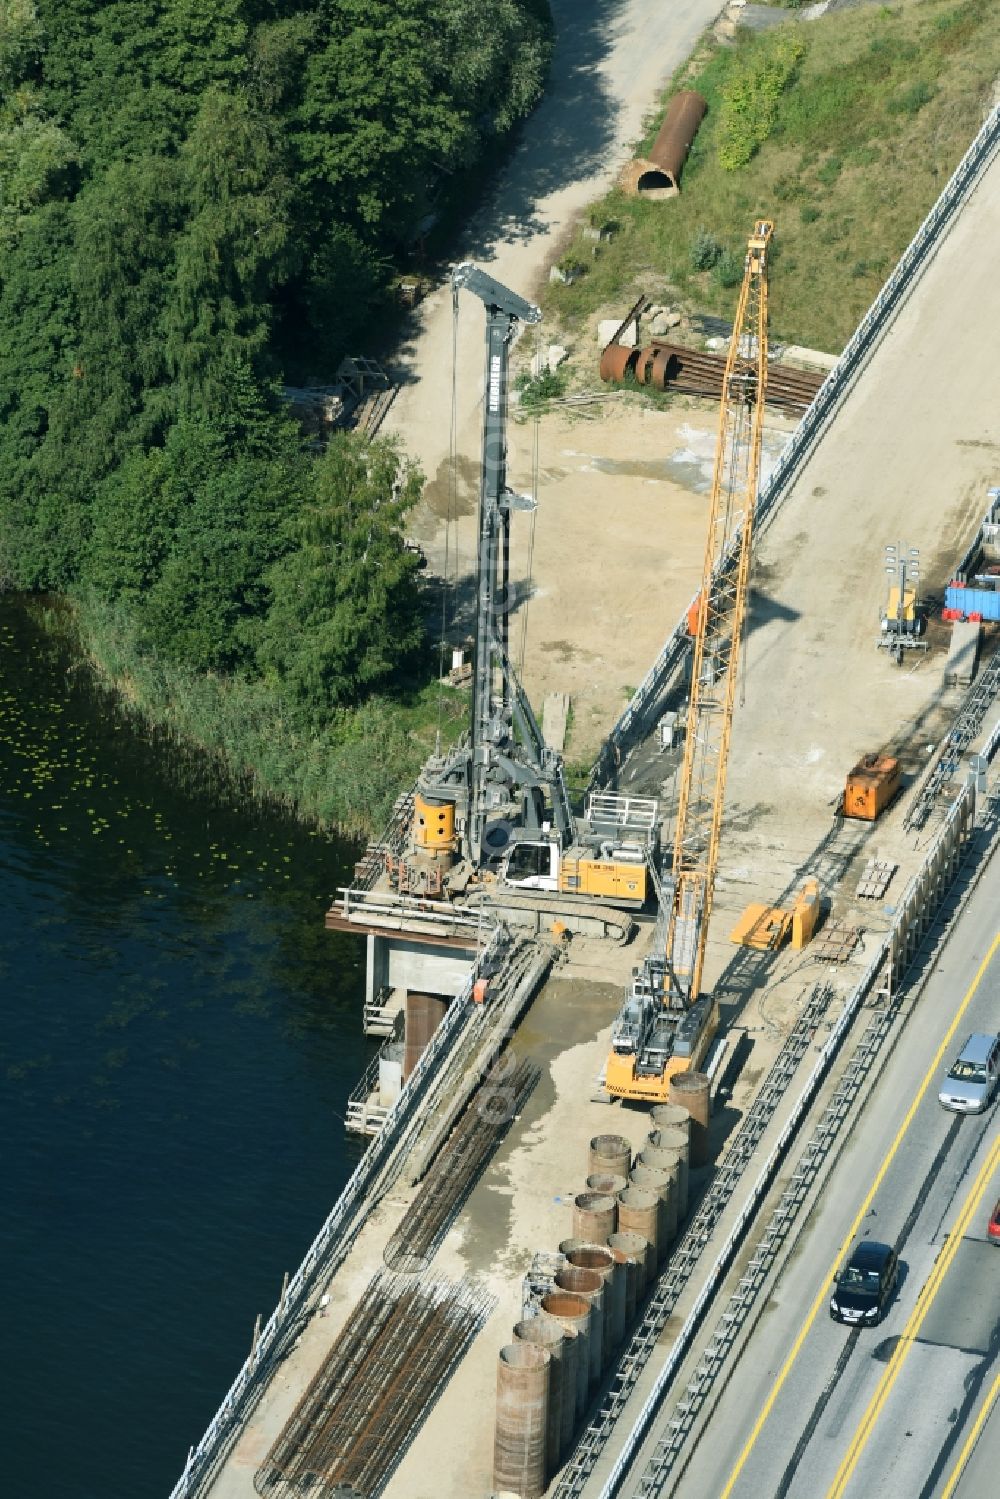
379 1380
667 366
496 1102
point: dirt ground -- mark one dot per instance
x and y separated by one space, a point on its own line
615 549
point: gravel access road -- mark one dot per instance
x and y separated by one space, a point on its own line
611 59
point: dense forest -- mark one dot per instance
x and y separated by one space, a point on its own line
197 204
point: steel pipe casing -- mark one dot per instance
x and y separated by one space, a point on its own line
574 1313
546 1332
611 1154
521 1436
589 1285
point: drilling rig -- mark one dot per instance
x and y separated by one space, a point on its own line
666 1025
494 810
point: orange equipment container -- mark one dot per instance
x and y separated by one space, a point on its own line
871 786
694 609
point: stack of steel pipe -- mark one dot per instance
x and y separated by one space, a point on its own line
607 1183
520 1446
670 1148
667 366
629 1250
639 1213
600 1258
665 1115
594 1215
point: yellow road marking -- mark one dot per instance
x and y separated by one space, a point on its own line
890 1156
971 1440
914 1323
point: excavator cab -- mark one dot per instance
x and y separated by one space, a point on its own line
532 861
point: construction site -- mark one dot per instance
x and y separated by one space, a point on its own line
609 1017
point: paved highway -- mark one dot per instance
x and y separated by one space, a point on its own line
909 1408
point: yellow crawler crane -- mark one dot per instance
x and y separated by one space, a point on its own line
665 1026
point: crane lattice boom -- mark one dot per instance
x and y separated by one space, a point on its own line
722 606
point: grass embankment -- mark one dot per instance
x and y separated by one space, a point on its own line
346 776
846 149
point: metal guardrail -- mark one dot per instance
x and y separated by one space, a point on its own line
248 1383
636 721
765 1179
975 706
744 1297
989 749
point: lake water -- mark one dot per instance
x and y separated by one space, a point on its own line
179 1037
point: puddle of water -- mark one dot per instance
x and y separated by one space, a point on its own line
689 466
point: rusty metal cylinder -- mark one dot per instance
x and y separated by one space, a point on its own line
674 1161
668 152
424 1013
639 1213
599 1257
590 1285
574 1313
608 1183
616 361
664 1143
692 1090
666 1115
611 1154
594 1216
660 1179
670 1137
630 1250
546 1332
520 1440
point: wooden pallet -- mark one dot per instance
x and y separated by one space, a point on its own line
836 942
875 878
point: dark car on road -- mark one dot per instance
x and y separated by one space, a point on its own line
865 1285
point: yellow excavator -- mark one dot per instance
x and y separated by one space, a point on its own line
666 1025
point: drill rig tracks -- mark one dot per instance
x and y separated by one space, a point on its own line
499 1099
375 1387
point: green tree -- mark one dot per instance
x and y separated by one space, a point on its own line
184 535
235 249
344 615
